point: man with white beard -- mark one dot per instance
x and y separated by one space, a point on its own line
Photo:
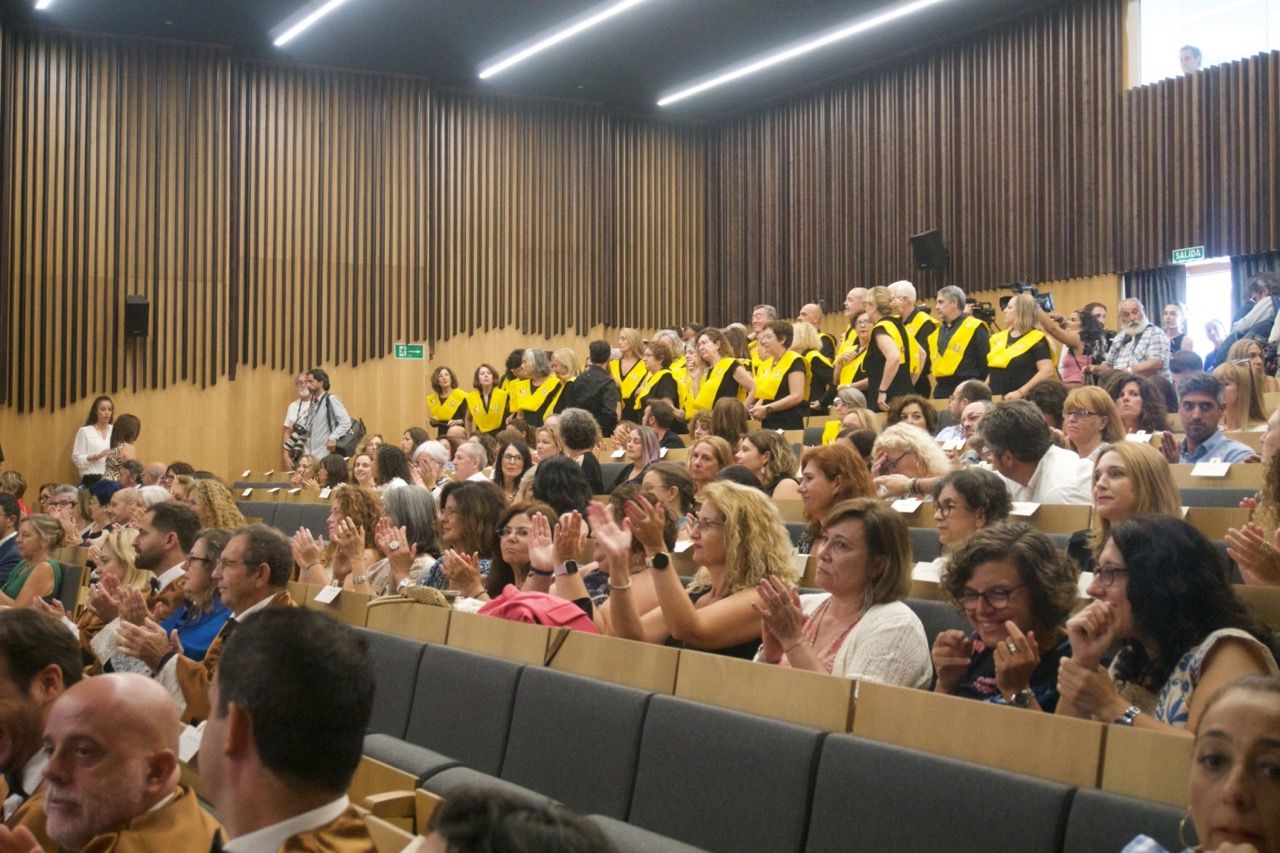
1140 347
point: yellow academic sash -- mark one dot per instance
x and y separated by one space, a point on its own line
711 384
830 432
920 318
649 381
908 353
627 384
487 420
809 358
849 343
678 368
539 400
769 376
441 412
947 363
1002 352
753 350
517 390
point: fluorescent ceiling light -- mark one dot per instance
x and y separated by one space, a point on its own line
43 4
798 50
307 20
583 23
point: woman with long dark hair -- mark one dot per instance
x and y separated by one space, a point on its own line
93 441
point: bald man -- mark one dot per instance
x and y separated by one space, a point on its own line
126 507
855 304
811 313
153 474
112 773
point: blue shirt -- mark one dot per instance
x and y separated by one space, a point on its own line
1217 446
197 632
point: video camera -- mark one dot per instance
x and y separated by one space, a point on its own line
1044 300
984 311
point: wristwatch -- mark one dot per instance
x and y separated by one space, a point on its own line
1022 699
1130 714
404 584
568 567
658 561
540 573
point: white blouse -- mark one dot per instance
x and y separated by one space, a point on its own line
88 442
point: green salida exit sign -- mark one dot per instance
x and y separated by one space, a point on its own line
1191 253
410 351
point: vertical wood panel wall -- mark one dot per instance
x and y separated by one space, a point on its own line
278 217
1000 143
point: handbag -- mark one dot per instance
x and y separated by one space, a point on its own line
538 608
347 443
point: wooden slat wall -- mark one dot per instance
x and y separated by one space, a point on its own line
281 217
1202 163
114 169
1000 143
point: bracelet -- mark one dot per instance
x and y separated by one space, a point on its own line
911 486
613 585
540 573
793 645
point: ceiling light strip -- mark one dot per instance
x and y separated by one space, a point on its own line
798 50
291 33
43 4
558 36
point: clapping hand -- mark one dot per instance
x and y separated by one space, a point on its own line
104 598
133 606
307 550
781 617
612 538
148 642
1091 632
1256 556
647 521
349 539
1088 689
952 653
463 572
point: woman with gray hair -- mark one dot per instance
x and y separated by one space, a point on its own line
544 389
406 536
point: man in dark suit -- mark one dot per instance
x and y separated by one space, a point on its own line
10 515
594 390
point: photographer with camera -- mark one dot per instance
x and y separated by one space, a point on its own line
959 345
1141 347
325 422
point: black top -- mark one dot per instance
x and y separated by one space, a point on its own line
979 681
875 363
793 417
665 388
1020 370
820 387
746 651
671 441
973 363
594 391
591 468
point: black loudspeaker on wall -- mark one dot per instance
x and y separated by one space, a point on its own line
929 250
136 311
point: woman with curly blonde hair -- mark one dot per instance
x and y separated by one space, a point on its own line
738 540
213 505
353 518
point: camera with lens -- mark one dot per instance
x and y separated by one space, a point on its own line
1044 300
983 311
296 444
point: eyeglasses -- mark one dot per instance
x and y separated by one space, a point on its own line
943 509
512 457
224 563
1108 575
1077 414
997 598
518 532
60 503
702 525
192 558
889 466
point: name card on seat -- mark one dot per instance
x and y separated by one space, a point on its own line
907 505
327 594
1212 468
1139 437
1024 509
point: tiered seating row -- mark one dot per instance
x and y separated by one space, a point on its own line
720 779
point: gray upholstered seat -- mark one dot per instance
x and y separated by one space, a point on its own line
874 796
938 616
462 706
576 740
419 761
265 510
924 544
395 662
723 780
447 782
1103 821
